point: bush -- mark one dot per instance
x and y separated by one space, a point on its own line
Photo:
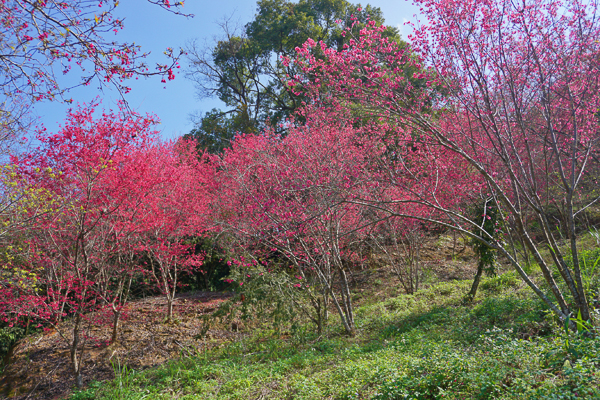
589 262
500 282
8 337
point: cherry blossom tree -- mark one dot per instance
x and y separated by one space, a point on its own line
43 39
67 243
292 195
511 90
399 242
171 208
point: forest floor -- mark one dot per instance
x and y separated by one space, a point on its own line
39 365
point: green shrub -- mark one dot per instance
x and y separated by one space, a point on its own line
500 282
8 337
433 375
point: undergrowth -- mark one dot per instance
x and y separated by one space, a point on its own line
430 345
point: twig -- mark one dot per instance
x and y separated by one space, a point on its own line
139 341
183 347
41 380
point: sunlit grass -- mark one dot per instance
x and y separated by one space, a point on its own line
430 345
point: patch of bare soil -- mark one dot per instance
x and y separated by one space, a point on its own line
40 366
442 258
448 258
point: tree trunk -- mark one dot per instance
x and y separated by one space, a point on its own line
320 318
325 305
115 330
343 317
471 295
170 309
79 380
347 301
75 361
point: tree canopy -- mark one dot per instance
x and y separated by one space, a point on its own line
245 69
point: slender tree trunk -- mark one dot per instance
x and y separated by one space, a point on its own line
471 295
349 329
348 300
79 380
320 317
453 243
580 296
325 305
115 330
75 361
417 260
169 309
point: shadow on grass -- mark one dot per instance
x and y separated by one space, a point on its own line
526 317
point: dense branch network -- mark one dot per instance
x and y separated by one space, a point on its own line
44 39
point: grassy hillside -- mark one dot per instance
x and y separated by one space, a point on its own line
425 346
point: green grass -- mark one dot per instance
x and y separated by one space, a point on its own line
424 346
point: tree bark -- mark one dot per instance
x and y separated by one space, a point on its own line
115 330
471 295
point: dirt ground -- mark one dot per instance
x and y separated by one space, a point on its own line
40 365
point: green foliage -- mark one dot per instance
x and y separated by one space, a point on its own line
214 267
487 218
595 233
8 337
501 282
280 26
500 367
423 346
432 373
487 228
216 129
244 70
123 382
87 394
269 293
509 312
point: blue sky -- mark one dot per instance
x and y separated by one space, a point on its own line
155 30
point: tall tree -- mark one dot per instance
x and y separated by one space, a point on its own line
245 70
67 243
173 208
522 85
292 196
